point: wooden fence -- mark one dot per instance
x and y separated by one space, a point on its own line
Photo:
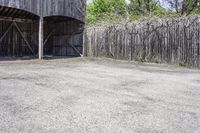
173 41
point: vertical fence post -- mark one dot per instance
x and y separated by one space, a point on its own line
131 46
41 28
85 43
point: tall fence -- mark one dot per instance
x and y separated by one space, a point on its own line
174 41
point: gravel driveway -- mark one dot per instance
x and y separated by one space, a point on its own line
87 95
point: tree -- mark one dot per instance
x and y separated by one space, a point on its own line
118 10
189 6
103 8
186 7
150 5
145 7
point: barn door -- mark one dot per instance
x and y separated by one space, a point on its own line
5 39
14 40
16 44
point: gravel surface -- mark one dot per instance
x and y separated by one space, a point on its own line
86 95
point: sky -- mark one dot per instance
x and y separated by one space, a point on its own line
163 3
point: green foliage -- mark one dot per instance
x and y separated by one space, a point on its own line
158 10
140 60
196 10
111 10
117 11
181 64
145 8
157 61
190 6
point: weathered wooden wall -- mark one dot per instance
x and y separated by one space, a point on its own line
174 41
63 27
69 8
66 39
13 44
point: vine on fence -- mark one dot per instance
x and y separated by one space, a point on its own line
175 41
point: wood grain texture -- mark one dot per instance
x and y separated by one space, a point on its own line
63 27
173 41
13 44
67 8
60 39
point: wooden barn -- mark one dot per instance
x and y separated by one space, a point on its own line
37 28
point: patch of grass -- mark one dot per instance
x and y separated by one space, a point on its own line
157 61
181 64
141 60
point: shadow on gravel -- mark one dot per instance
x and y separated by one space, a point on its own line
16 58
34 58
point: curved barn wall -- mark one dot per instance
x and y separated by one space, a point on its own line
68 8
31 6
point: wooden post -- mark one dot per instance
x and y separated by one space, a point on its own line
41 43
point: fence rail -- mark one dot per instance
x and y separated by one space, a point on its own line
174 41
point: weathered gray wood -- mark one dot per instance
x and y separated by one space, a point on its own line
41 41
23 37
174 41
13 44
5 33
43 8
46 40
66 17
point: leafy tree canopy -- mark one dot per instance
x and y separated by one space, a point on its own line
119 10
103 8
